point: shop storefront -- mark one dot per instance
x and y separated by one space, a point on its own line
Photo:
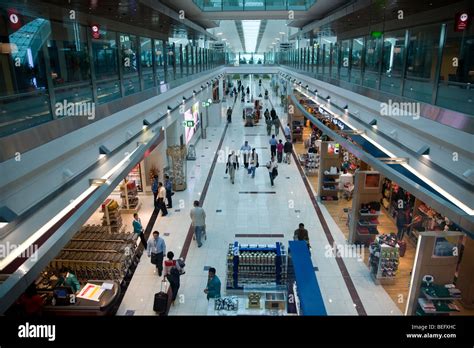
378 213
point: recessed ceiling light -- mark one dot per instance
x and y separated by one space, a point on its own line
282 33
219 33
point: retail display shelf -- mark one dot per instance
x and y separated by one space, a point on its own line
429 297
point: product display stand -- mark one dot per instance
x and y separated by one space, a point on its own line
178 169
363 219
384 259
255 264
296 121
441 271
309 300
112 218
129 194
465 280
328 175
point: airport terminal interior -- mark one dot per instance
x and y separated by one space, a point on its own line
230 158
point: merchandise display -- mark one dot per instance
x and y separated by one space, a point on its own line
178 169
254 300
129 195
330 188
255 264
112 218
384 258
230 303
438 299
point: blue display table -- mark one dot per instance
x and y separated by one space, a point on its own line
309 294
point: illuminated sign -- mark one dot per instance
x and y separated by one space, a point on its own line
461 21
95 31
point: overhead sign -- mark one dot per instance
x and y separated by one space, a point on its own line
461 21
188 124
95 31
14 19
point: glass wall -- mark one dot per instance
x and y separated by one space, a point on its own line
335 61
421 62
372 61
146 62
129 57
160 60
356 60
392 61
345 60
24 97
456 74
408 62
44 63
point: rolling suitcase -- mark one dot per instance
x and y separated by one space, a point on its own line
160 303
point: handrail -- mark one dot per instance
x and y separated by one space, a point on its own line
26 94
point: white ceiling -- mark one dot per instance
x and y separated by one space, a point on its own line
270 35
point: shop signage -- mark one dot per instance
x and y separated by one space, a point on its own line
461 21
95 31
188 124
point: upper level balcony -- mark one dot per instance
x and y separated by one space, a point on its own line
254 5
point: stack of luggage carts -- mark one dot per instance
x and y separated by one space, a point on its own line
95 253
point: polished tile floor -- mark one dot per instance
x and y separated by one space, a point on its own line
277 213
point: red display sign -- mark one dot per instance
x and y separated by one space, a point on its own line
461 21
95 31
14 19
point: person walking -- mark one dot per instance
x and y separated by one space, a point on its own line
288 132
273 145
266 114
273 114
269 124
154 189
253 163
156 249
280 151
272 169
198 218
169 191
231 166
248 90
276 123
138 229
161 200
229 115
301 234
245 151
213 288
288 148
172 272
402 223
